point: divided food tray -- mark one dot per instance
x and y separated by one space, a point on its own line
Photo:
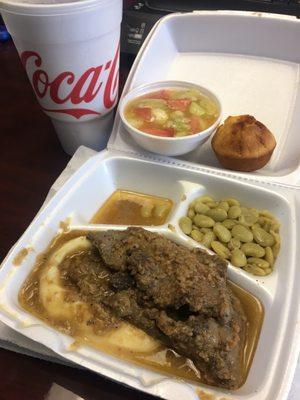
276 356
250 60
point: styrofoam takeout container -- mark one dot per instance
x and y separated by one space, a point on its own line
169 146
279 292
251 60
125 167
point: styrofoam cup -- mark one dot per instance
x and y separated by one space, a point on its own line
70 51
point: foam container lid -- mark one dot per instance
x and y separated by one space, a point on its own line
126 167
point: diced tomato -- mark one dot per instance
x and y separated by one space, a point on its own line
160 94
143 112
195 124
179 105
168 132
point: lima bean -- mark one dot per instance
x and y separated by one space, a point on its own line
217 214
276 249
275 236
222 233
259 262
265 223
256 225
262 237
212 204
224 205
275 227
244 209
205 230
242 233
267 226
220 249
266 213
229 223
253 250
249 217
238 258
196 235
250 210
268 271
208 238
231 201
191 213
234 244
234 212
203 221
261 220
253 269
204 199
269 256
201 208
185 224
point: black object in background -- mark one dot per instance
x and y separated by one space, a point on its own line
139 18
290 7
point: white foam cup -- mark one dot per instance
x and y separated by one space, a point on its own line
70 51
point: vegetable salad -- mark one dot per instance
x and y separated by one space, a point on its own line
172 112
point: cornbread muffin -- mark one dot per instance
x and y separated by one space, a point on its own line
242 143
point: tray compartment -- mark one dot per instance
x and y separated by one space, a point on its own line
35 329
249 196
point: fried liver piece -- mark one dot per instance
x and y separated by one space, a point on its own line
177 295
165 273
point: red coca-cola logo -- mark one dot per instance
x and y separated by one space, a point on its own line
82 90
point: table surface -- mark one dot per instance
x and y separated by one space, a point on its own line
31 159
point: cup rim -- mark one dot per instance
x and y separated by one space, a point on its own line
37 9
169 84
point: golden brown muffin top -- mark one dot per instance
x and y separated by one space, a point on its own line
243 137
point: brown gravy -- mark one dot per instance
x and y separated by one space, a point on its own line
124 207
162 359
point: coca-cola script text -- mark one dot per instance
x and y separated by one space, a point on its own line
82 90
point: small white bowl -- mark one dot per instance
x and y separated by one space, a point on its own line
168 146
